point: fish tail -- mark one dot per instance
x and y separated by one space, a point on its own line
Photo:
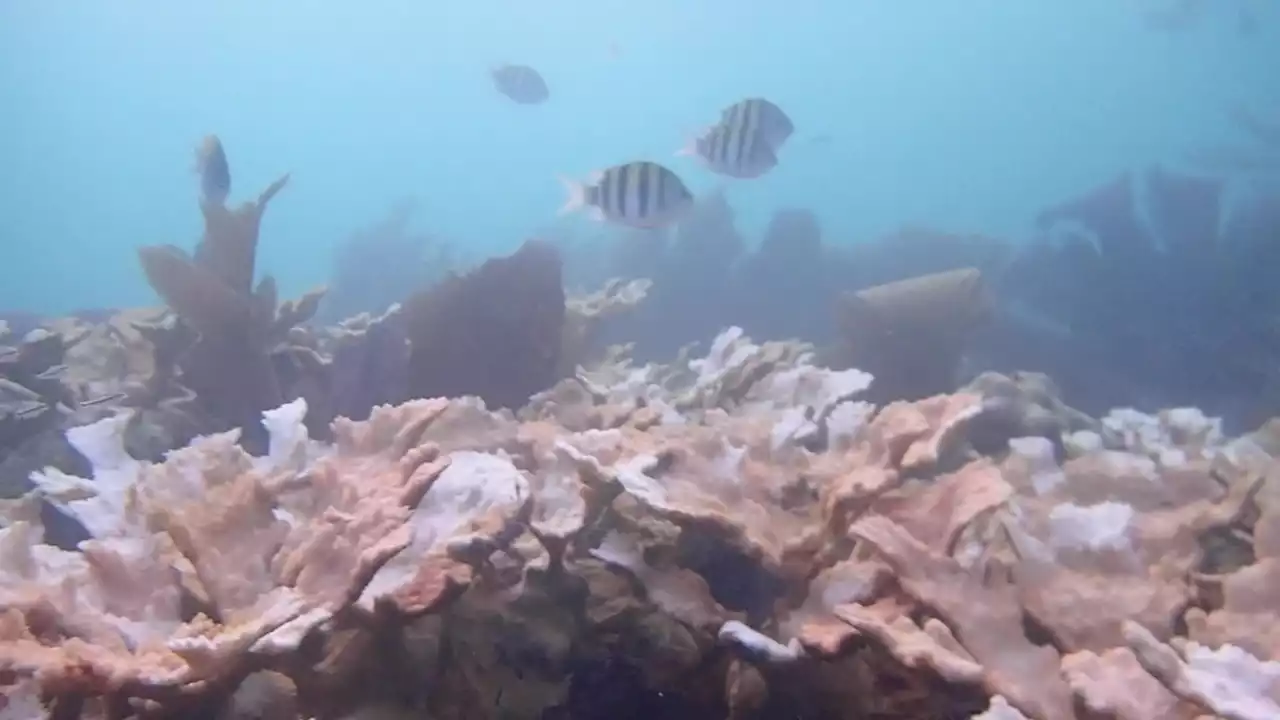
576 195
690 148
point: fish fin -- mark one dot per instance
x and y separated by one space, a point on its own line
594 177
690 148
576 193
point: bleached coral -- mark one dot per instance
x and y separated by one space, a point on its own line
683 520
1169 436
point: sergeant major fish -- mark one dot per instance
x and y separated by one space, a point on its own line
738 149
215 175
772 123
639 194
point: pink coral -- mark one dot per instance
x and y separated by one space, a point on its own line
740 528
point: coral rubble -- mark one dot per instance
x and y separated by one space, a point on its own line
737 535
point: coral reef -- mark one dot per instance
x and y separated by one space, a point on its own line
912 334
737 535
72 372
495 332
1025 404
468 505
221 354
705 277
30 393
586 317
1119 297
241 361
1143 304
498 332
370 362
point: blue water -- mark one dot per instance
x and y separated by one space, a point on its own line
970 116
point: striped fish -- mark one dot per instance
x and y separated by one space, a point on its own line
769 119
738 150
639 194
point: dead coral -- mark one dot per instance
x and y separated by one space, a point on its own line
452 561
30 392
494 332
369 362
242 362
911 333
264 551
914 251
1024 404
586 315
45 387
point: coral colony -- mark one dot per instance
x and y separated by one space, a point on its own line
467 508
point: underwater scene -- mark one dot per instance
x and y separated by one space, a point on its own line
640 359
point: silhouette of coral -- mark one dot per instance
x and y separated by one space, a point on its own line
913 251
370 363
1178 310
495 332
912 334
704 277
231 366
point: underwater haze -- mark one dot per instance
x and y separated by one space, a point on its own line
640 359
972 116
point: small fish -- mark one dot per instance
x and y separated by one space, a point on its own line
738 150
774 125
521 83
215 175
639 194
